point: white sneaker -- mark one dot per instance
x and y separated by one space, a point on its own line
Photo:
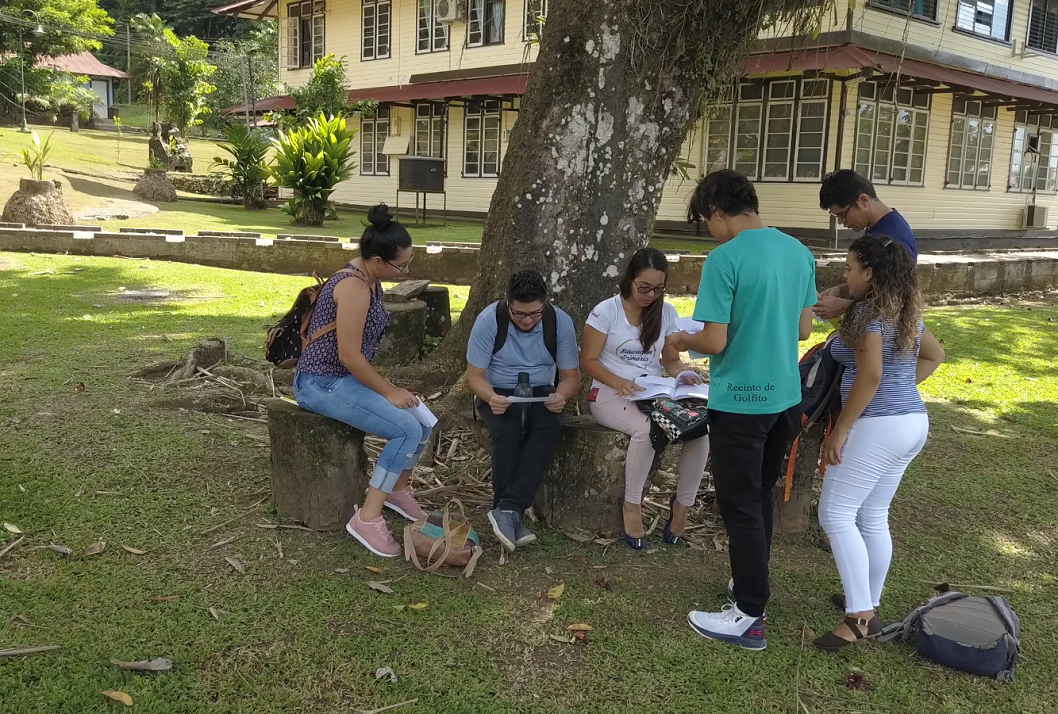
730 625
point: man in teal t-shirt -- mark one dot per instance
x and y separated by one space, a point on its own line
755 296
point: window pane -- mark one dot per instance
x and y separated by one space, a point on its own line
882 143
747 139
864 139
494 29
475 21
383 15
425 22
777 141
369 32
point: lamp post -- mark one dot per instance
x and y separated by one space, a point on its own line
38 31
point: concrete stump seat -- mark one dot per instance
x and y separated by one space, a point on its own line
319 466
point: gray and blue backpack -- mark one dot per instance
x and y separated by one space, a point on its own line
978 635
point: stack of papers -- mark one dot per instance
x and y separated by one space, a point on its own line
422 412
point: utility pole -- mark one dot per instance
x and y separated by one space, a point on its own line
253 93
246 90
128 56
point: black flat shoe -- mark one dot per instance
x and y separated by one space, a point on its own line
636 543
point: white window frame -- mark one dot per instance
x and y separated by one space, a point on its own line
431 35
373 134
1022 178
880 160
483 120
315 12
969 12
972 144
891 6
531 25
433 120
376 29
1043 43
777 141
741 134
480 22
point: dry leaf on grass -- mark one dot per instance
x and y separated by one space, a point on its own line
60 549
418 606
118 697
580 627
381 587
157 664
236 563
373 569
556 592
12 528
165 598
96 548
215 613
562 638
580 536
341 571
385 672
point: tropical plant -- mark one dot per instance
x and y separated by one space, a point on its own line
312 159
36 155
247 164
327 93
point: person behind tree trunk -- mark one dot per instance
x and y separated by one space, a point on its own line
755 299
613 355
335 377
852 200
883 425
523 434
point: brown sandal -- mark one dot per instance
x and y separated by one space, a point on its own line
857 625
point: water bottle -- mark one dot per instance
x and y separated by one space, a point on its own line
524 389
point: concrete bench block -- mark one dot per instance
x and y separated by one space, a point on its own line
402 343
230 234
162 231
57 227
438 310
290 236
319 466
18 226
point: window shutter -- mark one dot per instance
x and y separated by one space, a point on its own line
290 42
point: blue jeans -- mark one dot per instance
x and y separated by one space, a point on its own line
348 400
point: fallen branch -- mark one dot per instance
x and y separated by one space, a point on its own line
11 547
389 708
26 651
232 520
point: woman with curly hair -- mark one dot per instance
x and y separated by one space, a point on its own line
883 425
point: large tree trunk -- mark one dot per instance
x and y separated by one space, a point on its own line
615 89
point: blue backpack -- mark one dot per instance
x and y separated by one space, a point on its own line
978 635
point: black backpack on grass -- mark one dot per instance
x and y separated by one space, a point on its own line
977 635
289 337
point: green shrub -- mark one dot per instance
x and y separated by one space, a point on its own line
312 159
247 166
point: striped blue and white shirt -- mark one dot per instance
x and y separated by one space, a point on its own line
897 392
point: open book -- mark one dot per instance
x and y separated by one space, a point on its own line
669 387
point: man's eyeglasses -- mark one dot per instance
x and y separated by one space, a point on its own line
402 269
519 315
648 289
842 215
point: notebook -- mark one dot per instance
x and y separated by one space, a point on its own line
669 388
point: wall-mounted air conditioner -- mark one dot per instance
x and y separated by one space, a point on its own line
1034 217
449 11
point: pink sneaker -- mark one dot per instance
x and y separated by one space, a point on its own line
374 535
404 503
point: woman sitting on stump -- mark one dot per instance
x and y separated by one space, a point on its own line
613 354
883 425
335 377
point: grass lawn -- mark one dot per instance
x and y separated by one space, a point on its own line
302 632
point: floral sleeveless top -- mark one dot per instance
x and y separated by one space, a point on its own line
321 357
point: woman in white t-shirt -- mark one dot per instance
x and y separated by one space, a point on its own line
613 355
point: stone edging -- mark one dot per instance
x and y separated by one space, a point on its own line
974 274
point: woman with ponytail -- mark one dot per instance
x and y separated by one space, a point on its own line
624 338
883 425
335 377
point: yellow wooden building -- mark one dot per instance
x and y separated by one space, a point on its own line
947 105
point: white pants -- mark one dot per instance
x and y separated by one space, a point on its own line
854 506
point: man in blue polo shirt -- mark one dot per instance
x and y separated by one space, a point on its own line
522 334
852 200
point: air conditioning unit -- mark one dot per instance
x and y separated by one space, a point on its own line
1035 217
449 11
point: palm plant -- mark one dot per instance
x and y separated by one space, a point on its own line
247 166
36 156
312 159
